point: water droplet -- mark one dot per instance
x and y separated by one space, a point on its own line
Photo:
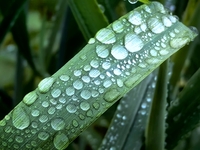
91 41
8 129
155 25
106 65
106 36
70 91
35 113
166 21
64 78
163 52
89 113
117 71
147 9
43 118
71 108
135 18
117 26
30 98
77 73
43 136
111 95
194 29
85 94
2 123
153 53
57 124
143 27
94 73
132 80
173 18
51 110
20 119
107 83
102 51
120 82
78 84
62 100
87 68
86 79
85 106
94 63
59 106
53 101
96 105
177 43
19 139
45 85
112 148
55 93
75 123
159 7
119 52
60 141
34 124
45 104
133 42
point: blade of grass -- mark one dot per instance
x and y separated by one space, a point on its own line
86 13
155 132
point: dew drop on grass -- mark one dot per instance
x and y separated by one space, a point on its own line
133 42
166 21
119 52
102 51
155 25
132 80
96 105
132 1
19 139
64 78
51 110
45 104
177 43
70 91
43 136
106 65
86 79
55 93
78 84
20 118
135 18
30 98
71 108
75 123
43 118
35 113
60 141
85 106
94 73
111 95
85 94
117 26
57 124
94 63
45 85
106 36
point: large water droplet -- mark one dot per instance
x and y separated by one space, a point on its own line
71 108
94 73
78 84
57 124
102 51
117 26
70 91
133 42
30 98
55 93
111 95
106 36
177 43
155 25
119 52
45 85
135 18
85 106
60 141
20 119
132 1
85 94
43 136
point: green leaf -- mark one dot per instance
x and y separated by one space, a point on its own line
111 64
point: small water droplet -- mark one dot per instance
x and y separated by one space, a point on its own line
64 78
132 2
155 25
106 65
43 135
133 42
107 83
45 104
194 29
86 79
135 18
117 26
153 53
2 123
20 118
85 106
94 63
119 52
166 21
117 71
96 105
34 124
89 113
120 82
51 110
57 124
60 141
45 85
43 118
111 95
106 36
78 84
91 41
77 73
35 113
30 98
75 123
132 80
70 91
87 68
102 51
95 93
177 43
71 108
19 139
55 93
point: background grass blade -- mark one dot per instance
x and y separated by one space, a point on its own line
155 132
